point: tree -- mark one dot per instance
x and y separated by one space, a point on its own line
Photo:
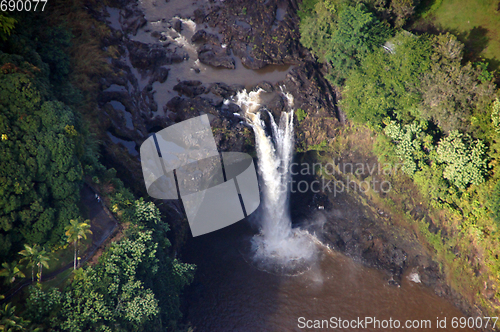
40 170
495 115
30 254
464 159
316 28
134 287
11 272
494 202
9 321
402 10
409 147
452 91
111 295
75 231
388 84
342 35
145 212
6 26
42 260
35 256
40 305
358 33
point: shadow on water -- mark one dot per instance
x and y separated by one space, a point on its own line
229 294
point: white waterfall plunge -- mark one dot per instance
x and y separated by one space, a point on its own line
278 248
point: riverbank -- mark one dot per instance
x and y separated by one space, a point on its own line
377 216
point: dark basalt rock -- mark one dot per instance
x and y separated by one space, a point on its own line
223 90
159 75
253 63
190 88
249 36
215 56
177 25
174 104
211 58
256 35
199 16
205 37
148 57
133 21
266 86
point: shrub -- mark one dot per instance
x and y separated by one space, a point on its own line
465 161
494 202
300 114
6 26
409 144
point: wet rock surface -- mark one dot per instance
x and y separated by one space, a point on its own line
259 32
211 52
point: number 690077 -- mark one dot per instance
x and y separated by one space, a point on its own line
474 322
22 5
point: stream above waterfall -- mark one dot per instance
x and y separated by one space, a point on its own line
160 17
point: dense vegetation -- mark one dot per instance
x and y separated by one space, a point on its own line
135 286
42 146
47 153
433 111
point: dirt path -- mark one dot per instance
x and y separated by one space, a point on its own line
102 224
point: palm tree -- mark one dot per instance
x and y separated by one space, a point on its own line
42 260
9 321
75 231
31 255
11 272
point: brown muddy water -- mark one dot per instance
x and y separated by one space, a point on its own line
229 294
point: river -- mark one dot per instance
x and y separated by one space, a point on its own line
230 294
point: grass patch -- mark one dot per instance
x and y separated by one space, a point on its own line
475 22
64 256
59 281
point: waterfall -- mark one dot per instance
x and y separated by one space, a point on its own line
278 248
